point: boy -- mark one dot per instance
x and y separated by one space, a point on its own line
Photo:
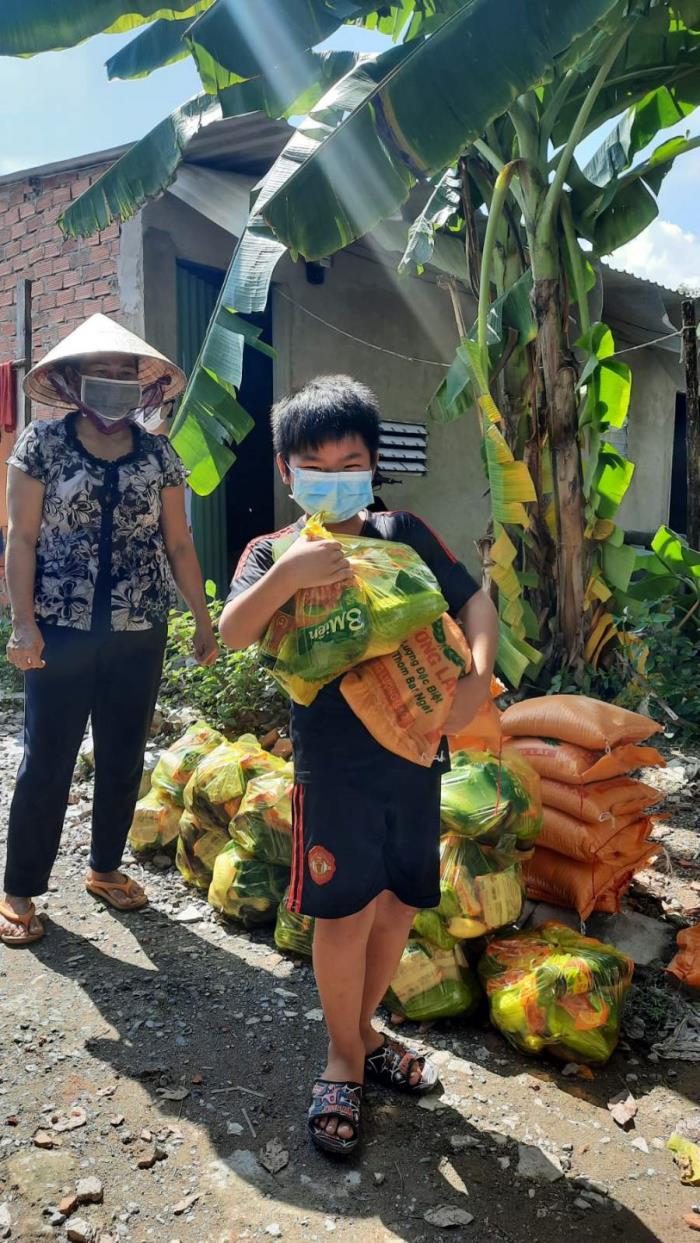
366 822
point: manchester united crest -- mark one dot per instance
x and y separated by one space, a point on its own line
321 864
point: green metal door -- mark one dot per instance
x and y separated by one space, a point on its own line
197 291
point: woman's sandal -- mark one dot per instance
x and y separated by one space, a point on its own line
133 898
392 1065
332 1099
22 921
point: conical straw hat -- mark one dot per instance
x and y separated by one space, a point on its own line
101 335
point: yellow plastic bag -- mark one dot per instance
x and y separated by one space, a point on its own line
262 827
481 888
326 631
197 850
246 889
155 824
555 990
294 934
486 796
176 765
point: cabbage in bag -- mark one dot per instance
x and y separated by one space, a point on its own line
553 989
176 765
155 824
485 796
430 926
263 825
197 849
293 933
246 889
431 983
325 631
481 888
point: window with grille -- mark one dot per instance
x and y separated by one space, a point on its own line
403 448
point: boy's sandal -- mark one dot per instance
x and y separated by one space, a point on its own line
332 1099
122 895
392 1065
22 921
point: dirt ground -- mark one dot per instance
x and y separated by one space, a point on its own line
173 1042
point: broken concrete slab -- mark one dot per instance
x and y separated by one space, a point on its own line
645 940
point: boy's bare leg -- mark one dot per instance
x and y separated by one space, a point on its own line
339 954
386 943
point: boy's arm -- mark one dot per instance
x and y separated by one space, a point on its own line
479 619
260 589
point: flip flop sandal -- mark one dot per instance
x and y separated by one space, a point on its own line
392 1065
333 1099
22 921
133 900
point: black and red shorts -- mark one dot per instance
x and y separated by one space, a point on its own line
352 841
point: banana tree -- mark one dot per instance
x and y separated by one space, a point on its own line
486 106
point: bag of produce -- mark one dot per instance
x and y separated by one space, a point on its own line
600 800
215 789
325 631
554 989
246 889
176 765
485 796
197 849
262 827
404 699
155 824
293 933
566 762
481 888
430 926
432 983
579 719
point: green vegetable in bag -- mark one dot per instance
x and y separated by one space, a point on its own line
430 926
555 990
481 888
293 933
176 765
155 824
485 796
325 631
197 850
246 889
432 983
263 825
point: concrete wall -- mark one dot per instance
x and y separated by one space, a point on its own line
656 378
413 317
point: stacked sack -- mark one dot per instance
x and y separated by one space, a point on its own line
491 815
157 816
596 826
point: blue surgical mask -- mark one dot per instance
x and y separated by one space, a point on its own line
338 495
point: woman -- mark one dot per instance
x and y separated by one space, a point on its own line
97 533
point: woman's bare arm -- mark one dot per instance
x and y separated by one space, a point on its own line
187 573
25 506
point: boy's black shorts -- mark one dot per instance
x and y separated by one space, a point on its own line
352 841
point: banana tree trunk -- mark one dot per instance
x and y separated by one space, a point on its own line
559 377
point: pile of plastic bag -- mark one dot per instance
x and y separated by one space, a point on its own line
245 888
325 631
262 827
432 983
157 815
553 989
294 933
596 828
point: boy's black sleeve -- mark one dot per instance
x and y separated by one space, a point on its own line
255 561
456 583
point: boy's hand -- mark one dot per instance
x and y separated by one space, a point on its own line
471 693
314 563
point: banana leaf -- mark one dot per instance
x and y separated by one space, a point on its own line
443 209
407 20
288 90
421 116
639 126
144 172
31 26
159 45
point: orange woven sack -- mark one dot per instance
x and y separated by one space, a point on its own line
686 964
607 842
601 800
579 719
484 732
550 877
563 761
405 698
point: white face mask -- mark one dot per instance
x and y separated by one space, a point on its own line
110 400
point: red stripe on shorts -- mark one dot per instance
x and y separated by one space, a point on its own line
297 878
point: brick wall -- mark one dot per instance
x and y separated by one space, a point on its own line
71 278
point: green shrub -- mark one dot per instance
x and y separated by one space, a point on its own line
235 695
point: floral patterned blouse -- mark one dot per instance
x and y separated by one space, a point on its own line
101 560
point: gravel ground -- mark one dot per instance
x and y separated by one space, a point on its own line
167 1058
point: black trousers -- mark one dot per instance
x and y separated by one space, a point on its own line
112 678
